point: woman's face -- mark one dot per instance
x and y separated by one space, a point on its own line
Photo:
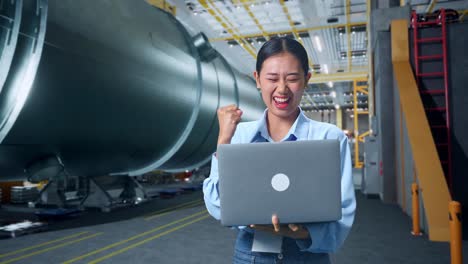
282 82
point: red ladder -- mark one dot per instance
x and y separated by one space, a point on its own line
441 129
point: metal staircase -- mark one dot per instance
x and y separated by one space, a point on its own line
431 72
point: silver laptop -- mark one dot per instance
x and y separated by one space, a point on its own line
299 181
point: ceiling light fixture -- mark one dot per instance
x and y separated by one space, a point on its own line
325 68
318 44
333 94
330 84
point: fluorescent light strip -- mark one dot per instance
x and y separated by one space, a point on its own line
325 68
318 44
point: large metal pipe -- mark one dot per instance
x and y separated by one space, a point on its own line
121 93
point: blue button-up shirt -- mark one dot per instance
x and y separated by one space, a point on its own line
325 237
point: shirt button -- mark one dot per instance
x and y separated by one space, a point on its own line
280 256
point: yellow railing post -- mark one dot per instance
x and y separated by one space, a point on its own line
455 232
416 228
358 87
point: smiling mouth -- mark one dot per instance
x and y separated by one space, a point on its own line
281 102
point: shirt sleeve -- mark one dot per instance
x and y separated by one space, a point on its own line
329 237
211 191
210 184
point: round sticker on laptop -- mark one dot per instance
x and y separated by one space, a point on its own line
280 182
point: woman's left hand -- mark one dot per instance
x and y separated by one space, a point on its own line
294 231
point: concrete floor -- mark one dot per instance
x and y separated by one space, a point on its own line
179 230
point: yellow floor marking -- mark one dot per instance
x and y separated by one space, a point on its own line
147 240
43 244
50 248
131 238
157 213
174 209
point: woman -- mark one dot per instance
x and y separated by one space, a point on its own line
282 73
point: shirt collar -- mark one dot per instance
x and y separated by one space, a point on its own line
297 131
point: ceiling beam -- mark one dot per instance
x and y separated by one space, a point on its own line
260 27
464 13
218 15
299 31
290 21
431 6
348 33
338 77
294 31
340 6
310 99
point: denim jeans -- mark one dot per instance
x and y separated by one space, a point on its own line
248 257
291 253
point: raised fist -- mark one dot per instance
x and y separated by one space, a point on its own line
228 117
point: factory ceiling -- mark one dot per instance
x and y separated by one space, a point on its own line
334 33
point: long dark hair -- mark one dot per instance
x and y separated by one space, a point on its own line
278 45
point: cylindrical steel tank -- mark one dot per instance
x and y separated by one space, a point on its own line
114 87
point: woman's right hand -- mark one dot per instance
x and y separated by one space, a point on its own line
228 117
